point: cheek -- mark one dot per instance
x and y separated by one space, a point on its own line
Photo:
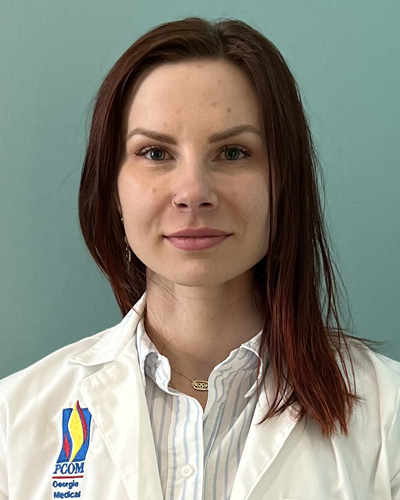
257 212
133 194
141 207
255 200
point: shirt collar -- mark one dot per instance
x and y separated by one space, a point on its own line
151 362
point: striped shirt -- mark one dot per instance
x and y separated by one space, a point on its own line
198 451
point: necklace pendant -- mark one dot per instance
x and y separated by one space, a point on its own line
200 385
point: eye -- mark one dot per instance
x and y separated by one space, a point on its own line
233 153
156 153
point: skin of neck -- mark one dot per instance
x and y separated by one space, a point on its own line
196 328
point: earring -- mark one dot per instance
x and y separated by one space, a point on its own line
128 254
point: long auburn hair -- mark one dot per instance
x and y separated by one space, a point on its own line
294 284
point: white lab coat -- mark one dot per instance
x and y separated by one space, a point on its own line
281 459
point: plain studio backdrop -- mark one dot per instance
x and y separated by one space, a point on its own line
54 55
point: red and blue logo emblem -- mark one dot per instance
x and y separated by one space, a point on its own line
76 434
70 466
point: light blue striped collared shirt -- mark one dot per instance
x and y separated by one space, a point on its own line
198 451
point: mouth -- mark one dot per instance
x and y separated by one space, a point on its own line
201 232
193 243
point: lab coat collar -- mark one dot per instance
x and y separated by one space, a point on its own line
110 346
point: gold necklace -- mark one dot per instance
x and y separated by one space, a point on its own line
199 385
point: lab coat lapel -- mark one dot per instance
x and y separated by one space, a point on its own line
116 399
115 396
263 444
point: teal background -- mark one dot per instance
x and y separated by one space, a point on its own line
53 57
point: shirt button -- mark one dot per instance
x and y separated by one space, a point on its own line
186 471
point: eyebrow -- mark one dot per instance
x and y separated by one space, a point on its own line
218 136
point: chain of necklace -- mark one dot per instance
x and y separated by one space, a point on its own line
199 385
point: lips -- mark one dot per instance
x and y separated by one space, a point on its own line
196 243
197 233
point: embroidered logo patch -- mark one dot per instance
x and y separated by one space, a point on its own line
76 433
70 465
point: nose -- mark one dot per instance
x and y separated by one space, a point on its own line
193 188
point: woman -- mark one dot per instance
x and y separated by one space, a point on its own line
230 375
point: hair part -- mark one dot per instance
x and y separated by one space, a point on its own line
294 284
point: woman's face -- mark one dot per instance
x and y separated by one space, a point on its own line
184 166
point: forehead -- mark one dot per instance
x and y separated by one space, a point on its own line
197 90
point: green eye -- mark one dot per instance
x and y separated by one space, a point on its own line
157 154
233 153
153 153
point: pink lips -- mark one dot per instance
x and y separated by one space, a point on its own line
197 239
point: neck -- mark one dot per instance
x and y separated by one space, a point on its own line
197 328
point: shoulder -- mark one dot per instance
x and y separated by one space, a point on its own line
375 421
372 368
56 378
40 374
44 388
375 379
53 383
